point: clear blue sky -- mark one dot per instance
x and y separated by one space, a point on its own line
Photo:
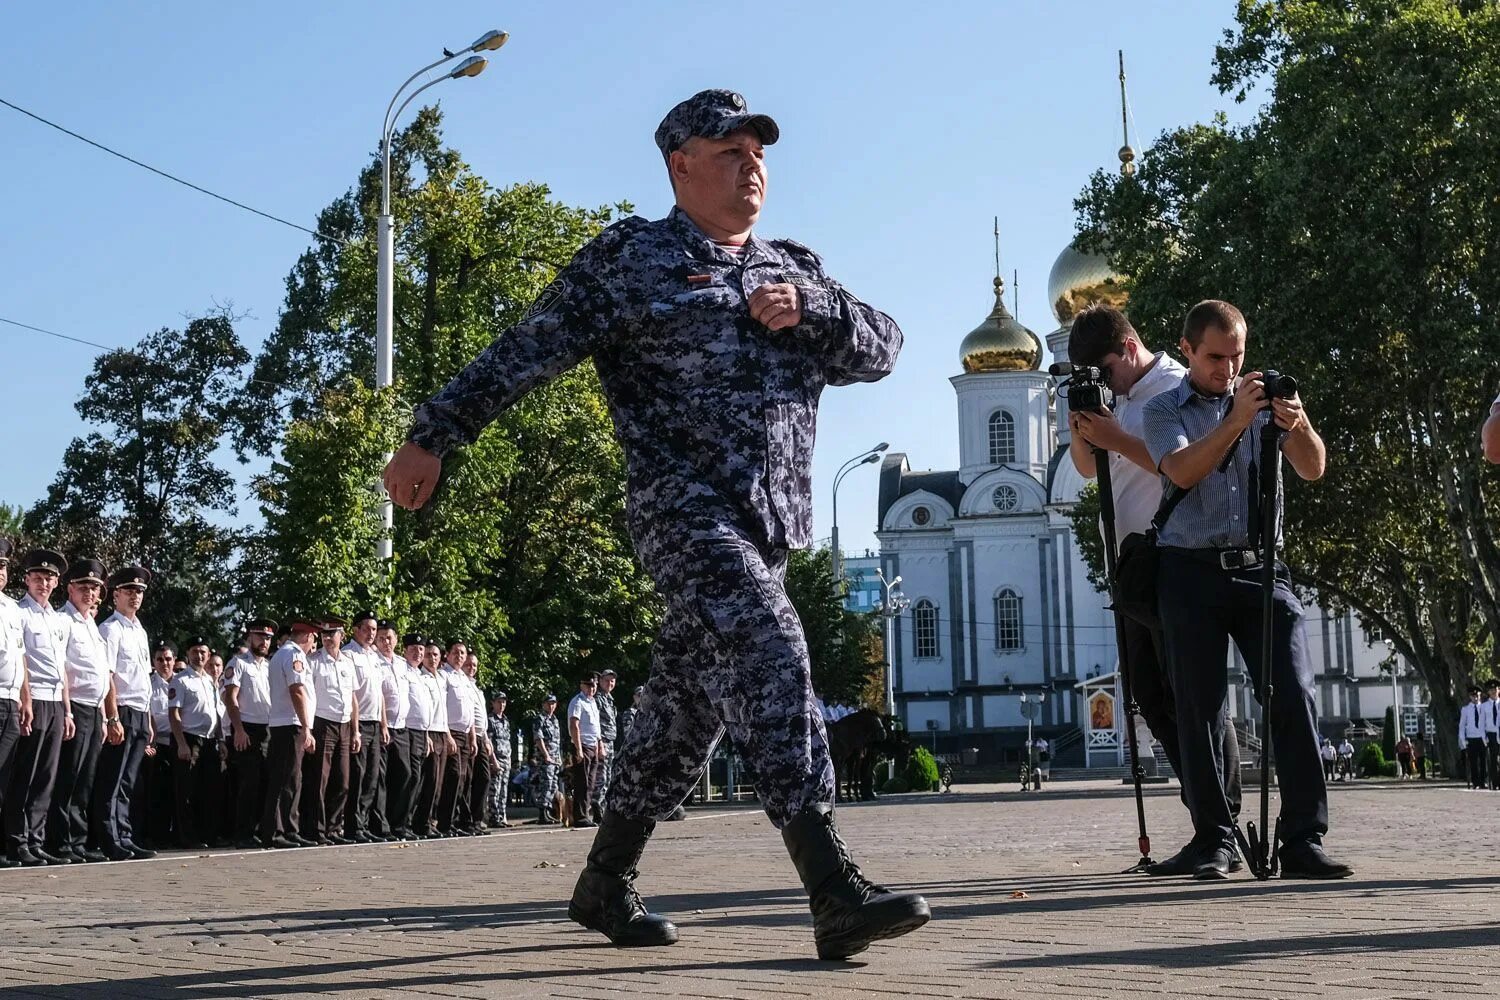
905 129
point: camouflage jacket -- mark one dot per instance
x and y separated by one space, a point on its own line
549 734
498 727
715 412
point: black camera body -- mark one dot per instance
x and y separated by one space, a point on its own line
1278 386
1088 392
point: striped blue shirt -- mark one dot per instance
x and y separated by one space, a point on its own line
1215 514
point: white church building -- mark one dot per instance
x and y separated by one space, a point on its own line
1003 620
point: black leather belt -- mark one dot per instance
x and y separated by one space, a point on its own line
1225 559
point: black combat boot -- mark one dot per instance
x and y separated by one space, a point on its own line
605 899
849 911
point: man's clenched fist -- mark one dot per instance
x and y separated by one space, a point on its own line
411 476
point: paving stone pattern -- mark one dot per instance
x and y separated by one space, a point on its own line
1025 899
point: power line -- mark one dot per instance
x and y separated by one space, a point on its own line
60 336
171 177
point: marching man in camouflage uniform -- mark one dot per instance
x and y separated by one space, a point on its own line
713 347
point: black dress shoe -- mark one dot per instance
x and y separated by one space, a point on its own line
1184 862
49 858
362 838
1307 860
248 844
340 841
285 843
141 853
301 840
1214 865
23 856
118 854
94 857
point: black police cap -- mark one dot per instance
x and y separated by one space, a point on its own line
199 640
44 560
7 549
413 639
384 623
130 576
499 695
363 616
166 645
331 623
86 571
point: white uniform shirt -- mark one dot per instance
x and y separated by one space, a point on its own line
369 680
159 704
250 676
1138 492
333 685
1487 715
429 704
394 683
196 697
288 669
12 650
456 690
1470 723
1329 753
1346 749
87 659
476 702
586 711
130 656
45 634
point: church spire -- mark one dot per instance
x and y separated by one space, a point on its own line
1127 152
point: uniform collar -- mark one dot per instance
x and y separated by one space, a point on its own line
700 247
73 613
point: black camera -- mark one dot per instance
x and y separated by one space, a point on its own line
1278 386
1086 387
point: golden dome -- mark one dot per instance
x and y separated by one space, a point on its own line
1000 343
1079 280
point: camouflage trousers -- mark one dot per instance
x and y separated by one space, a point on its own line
500 792
730 656
544 783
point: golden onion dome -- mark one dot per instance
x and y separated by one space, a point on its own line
1000 343
1079 280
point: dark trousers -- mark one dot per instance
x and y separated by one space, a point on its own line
1474 753
332 743
155 799
1152 689
481 774
1202 608
393 801
196 786
280 813
585 781
10 747
366 773
35 773
425 810
111 825
453 803
1492 758
73 792
251 766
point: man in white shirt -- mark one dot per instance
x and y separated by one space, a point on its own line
44 634
393 695
246 690
86 660
482 771
367 766
453 804
1102 337
432 693
291 737
193 714
583 727
335 734
408 750
129 701
15 692
1471 737
1489 713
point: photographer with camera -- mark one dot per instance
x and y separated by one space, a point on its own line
1205 438
1102 337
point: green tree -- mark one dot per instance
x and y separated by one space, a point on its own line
843 645
149 486
1084 516
1354 221
524 551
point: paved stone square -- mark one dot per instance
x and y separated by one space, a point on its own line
484 917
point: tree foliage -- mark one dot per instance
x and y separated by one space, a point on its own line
1354 221
1084 515
149 486
843 645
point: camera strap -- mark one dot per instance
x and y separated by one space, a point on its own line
1175 494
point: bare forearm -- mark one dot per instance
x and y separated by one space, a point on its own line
1187 467
299 705
1305 450
1082 454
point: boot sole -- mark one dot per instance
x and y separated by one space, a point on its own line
851 944
579 917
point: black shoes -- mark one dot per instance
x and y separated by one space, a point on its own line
283 842
117 853
49 858
141 853
94 856
1307 860
605 899
1184 862
849 911
24 857
1215 864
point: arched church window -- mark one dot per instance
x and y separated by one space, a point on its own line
1008 620
1006 499
924 629
1002 438
921 516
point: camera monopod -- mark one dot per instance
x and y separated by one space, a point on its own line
1138 772
1259 849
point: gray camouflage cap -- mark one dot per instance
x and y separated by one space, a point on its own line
711 114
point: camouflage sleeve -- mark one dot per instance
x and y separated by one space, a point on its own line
572 318
859 343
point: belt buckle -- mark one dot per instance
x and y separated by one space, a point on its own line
1232 559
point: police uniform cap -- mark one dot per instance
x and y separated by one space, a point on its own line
550 697
413 639
263 626
331 623
44 560
301 623
456 641
499 695
198 640
363 616
712 114
7 549
383 623
166 645
607 673
130 576
86 571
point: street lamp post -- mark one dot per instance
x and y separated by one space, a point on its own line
863 458
385 264
892 603
1395 692
1031 709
